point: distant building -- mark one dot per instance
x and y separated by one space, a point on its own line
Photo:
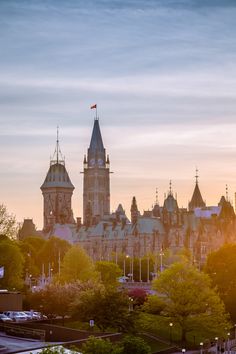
106 235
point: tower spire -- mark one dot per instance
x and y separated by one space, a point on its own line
227 192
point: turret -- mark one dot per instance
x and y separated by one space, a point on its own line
134 211
57 192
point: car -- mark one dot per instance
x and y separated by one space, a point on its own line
4 318
16 316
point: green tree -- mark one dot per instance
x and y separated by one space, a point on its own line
108 307
8 226
109 272
54 300
190 301
99 346
77 265
12 261
135 345
221 267
52 252
153 305
30 248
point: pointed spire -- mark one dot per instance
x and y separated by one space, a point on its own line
197 200
96 143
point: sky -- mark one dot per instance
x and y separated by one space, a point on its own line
163 75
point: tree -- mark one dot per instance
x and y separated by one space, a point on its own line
135 345
153 305
109 272
53 252
12 261
139 295
221 267
129 345
8 226
77 265
190 301
54 300
109 308
99 346
30 248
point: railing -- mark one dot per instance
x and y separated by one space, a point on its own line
21 331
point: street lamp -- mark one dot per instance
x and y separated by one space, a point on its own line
127 256
235 331
131 301
216 339
161 255
201 346
228 334
171 325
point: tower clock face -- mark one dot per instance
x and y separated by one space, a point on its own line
92 162
100 162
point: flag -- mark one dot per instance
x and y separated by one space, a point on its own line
1 272
94 106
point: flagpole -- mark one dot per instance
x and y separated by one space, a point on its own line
96 112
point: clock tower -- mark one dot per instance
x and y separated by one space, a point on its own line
96 192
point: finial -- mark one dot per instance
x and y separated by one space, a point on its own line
170 187
57 144
227 192
57 157
157 196
196 176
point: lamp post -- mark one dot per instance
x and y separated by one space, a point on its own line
235 331
171 325
127 256
161 255
228 335
216 339
201 346
131 301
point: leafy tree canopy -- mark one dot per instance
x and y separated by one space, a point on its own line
108 307
8 226
190 301
109 272
221 267
12 261
99 346
77 265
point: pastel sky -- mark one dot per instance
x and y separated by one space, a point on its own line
163 75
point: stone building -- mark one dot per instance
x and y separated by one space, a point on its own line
105 235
